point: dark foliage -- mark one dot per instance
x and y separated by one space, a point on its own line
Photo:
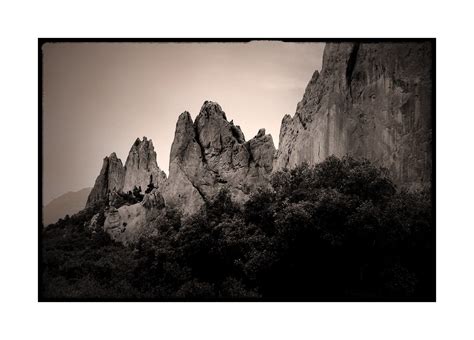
335 231
137 193
150 186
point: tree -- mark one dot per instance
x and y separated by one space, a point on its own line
137 193
335 230
150 186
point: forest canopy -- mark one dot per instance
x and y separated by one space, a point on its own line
336 231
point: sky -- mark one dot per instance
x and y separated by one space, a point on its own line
99 97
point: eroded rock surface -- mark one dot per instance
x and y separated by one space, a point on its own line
127 223
110 178
141 167
370 100
211 153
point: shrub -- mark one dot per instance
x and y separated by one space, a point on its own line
338 230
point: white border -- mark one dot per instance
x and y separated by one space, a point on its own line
23 318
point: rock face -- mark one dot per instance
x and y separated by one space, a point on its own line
141 166
370 100
211 153
111 178
127 223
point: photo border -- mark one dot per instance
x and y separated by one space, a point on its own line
42 41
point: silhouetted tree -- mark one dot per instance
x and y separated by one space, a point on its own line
150 186
137 193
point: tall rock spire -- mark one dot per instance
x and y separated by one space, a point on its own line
141 166
111 177
211 153
140 169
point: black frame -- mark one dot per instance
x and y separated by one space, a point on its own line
42 41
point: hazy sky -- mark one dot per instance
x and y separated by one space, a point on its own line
99 97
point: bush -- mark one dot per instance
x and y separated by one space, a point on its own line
338 230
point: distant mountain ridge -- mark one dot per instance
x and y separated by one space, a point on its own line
67 204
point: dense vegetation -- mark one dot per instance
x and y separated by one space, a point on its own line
335 231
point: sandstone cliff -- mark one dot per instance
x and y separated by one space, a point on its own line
370 100
211 153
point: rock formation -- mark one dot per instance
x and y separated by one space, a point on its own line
141 166
211 153
370 100
110 178
128 222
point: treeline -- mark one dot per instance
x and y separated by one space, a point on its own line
337 231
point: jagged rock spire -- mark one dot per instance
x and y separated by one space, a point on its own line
141 166
211 153
110 178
